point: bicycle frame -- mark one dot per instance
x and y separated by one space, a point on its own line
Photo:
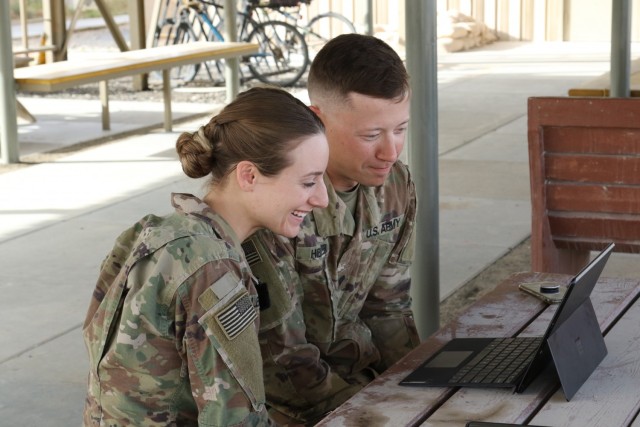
281 44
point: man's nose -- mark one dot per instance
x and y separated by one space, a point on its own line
388 149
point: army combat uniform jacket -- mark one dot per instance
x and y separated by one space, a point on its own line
172 327
340 307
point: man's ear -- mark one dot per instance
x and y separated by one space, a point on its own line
315 109
246 175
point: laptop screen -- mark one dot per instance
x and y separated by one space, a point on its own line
578 292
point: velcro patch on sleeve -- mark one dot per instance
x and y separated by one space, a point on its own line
235 318
251 252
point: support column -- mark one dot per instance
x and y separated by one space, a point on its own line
54 21
232 65
8 117
137 35
422 64
620 73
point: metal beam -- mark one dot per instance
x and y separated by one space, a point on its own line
112 26
369 17
54 21
9 152
422 64
153 22
232 65
620 72
137 36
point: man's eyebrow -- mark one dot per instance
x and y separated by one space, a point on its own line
373 129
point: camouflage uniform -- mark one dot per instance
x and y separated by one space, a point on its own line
340 306
172 327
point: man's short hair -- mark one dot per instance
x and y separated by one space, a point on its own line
357 63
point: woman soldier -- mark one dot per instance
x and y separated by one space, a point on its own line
172 326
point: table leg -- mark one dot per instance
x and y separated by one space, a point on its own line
166 92
23 113
104 100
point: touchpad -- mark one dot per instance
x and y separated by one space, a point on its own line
448 359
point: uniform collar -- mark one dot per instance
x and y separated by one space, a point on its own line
332 220
192 206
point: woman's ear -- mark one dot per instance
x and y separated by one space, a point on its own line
315 109
246 175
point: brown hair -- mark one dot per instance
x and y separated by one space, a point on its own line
357 63
261 125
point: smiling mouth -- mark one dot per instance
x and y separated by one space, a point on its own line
299 214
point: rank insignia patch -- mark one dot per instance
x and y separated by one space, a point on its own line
251 252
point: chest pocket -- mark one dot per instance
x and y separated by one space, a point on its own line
363 263
230 325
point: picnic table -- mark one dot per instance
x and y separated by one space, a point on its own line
601 85
608 398
66 74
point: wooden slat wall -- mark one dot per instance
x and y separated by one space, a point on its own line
522 20
525 20
584 158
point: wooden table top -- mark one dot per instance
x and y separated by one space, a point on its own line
608 398
111 65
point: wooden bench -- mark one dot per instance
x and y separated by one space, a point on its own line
66 74
609 397
601 85
584 159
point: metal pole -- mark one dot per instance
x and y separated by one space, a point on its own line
369 17
422 64
9 152
620 72
24 25
154 22
53 16
112 26
137 37
232 65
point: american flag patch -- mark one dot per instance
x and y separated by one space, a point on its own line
237 316
251 252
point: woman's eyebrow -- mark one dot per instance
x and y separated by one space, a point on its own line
316 173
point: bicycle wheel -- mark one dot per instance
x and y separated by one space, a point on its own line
282 57
186 73
322 28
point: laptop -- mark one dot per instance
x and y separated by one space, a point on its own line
573 341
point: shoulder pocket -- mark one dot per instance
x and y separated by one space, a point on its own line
230 325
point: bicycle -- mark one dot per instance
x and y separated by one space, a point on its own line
282 58
318 30
174 30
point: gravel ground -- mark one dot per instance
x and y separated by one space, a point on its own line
516 260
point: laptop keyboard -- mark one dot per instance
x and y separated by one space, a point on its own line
499 362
